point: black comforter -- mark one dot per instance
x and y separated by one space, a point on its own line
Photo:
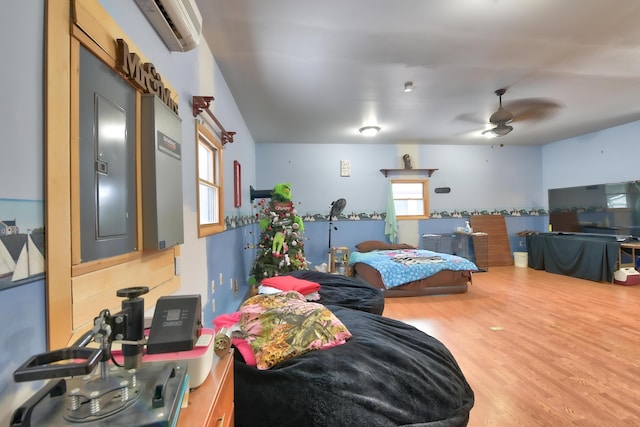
344 291
388 374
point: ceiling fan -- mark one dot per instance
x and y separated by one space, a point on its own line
529 109
501 118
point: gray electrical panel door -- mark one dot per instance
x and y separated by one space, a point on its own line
107 161
161 133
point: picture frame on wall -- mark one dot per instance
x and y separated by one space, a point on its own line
237 184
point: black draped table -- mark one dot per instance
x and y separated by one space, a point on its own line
585 256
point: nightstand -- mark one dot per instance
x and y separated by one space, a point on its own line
211 404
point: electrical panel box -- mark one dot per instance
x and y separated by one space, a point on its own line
161 134
107 162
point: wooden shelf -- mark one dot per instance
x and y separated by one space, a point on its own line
386 172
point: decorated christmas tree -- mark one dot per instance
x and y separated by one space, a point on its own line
281 245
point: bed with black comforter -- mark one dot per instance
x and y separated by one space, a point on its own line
344 291
387 373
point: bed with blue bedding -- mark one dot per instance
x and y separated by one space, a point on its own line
401 270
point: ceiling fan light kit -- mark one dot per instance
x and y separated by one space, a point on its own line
369 130
501 130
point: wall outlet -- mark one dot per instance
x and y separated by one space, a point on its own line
521 243
213 286
231 284
213 305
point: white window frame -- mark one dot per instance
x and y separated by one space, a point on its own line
424 199
207 140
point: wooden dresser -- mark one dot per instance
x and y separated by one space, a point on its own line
211 404
498 246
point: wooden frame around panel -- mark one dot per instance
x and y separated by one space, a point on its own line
76 292
57 173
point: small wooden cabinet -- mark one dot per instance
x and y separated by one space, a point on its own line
211 404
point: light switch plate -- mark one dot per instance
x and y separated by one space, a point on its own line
345 168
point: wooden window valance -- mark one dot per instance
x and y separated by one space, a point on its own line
201 103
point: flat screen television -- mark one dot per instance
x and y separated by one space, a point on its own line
601 209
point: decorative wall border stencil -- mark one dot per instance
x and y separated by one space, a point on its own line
242 220
21 242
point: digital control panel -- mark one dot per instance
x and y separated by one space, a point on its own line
176 324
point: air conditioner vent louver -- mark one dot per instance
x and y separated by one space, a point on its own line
177 22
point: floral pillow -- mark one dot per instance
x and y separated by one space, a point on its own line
285 325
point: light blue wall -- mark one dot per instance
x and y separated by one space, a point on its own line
481 177
610 155
21 145
22 311
22 335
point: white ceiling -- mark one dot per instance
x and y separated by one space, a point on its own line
309 71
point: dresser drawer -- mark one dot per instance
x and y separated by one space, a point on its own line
211 404
222 414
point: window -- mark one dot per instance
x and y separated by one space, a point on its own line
410 198
210 185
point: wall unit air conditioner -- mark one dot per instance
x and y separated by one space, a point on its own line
177 22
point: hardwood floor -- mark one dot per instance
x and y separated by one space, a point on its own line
539 349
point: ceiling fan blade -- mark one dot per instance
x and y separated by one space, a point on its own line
470 118
533 109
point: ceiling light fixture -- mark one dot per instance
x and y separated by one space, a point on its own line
408 87
369 130
502 129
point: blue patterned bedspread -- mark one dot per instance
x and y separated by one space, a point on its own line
398 267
